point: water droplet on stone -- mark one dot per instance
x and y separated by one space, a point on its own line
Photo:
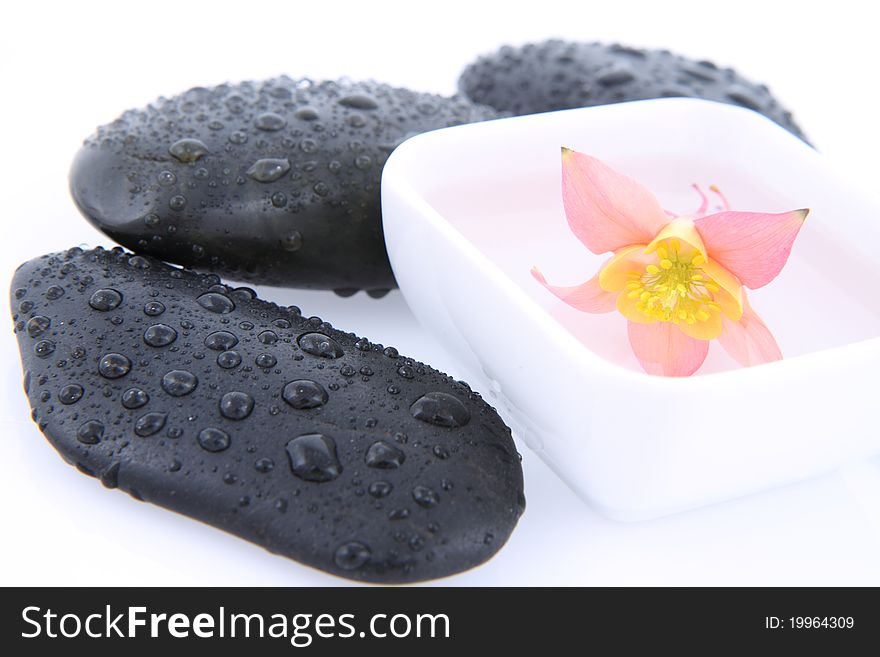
304 394
398 514
390 352
154 308
70 394
307 114
177 202
54 292
159 335
292 241
358 101
270 122
114 366
213 440
351 555
440 409
268 337
179 383
105 299
221 341
384 456
149 424
440 452
167 178
264 465
90 432
268 169
279 200
406 371
425 497
216 303
38 325
236 405
313 457
318 344
266 360
134 398
188 150
380 489
229 359
308 145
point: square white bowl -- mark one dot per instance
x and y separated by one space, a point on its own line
468 211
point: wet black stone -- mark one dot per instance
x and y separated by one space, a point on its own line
275 182
557 75
329 484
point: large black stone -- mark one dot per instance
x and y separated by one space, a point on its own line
557 75
315 444
274 182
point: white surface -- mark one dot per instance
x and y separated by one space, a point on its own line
486 197
68 67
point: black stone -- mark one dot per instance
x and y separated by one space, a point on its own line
336 472
557 75
275 182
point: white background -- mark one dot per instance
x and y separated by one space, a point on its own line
68 67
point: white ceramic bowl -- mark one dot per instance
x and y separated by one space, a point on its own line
469 210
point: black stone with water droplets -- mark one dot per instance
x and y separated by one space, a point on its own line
557 75
316 444
275 182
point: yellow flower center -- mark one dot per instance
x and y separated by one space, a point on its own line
675 289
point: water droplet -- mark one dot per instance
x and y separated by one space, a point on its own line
266 360
151 220
307 114
384 456
177 202
398 514
321 188
25 306
229 359
221 341
154 308
358 101
90 432
279 200
318 344
363 162
149 424
216 303
270 122
38 325
313 457
114 366
440 409
105 299
304 394
351 555
380 489
54 292
188 150
159 335
425 497
70 394
440 452
281 323
390 352
347 371
308 145
213 440
292 241
167 178
406 371
179 383
236 405
268 169
264 465
268 337
134 398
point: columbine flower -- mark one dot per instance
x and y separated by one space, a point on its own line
679 280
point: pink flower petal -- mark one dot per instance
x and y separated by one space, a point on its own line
749 341
664 350
753 246
588 297
607 210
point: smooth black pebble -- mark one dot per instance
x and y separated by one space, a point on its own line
556 75
296 443
275 182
